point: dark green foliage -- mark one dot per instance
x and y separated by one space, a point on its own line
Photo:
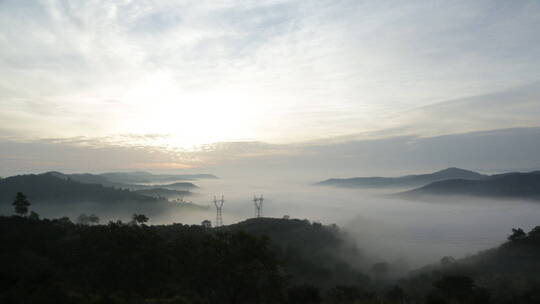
126 263
33 216
507 274
21 204
84 219
304 294
380 269
347 295
139 219
62 262
517 234
395 295
312 253
456 287
447 261
256 261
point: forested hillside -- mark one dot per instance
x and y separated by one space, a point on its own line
509 273
57 261
51 187
316 254
256 261
52 194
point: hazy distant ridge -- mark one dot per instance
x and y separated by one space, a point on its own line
55 192
127 181
403 181
163 192
60 187
54 186
146 177
509 185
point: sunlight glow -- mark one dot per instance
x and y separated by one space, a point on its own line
190 118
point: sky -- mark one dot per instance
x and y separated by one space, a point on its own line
220 85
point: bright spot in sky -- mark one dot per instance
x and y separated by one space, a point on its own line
190 118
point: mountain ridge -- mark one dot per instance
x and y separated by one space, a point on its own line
519 185
102 179
53 192
61 188
414 180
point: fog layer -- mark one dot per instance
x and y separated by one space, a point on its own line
385 227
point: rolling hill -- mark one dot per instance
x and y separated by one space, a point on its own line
54 194
313 253
179 186
505 274
146 177
109 180
54 186
509 185
162 192
402 181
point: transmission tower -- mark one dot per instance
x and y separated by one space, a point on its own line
219 207
258 202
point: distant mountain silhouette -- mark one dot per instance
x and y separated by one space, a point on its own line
146 177
179 186
87 178
162 192
58 187
403 181
55 193
113 180
508 185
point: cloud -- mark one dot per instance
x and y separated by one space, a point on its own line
486 151
513 108
272 71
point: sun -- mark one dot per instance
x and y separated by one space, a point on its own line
190 117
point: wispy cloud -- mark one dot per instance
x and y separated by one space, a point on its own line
487 151
271 71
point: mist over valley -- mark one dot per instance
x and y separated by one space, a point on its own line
269 152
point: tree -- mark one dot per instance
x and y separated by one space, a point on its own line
33 216
304 294
64 221
447 261
460 289
380 269
345 294
396 295
139 219
517 234
457 287
535 232
93 219
21 204
84 219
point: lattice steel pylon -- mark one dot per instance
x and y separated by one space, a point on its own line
219 208
258 202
